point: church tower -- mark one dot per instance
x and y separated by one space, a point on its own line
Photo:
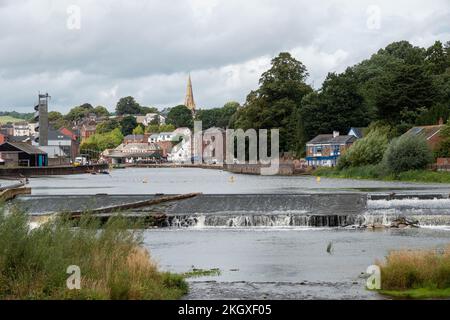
189 100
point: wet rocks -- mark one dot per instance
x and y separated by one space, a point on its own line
403 223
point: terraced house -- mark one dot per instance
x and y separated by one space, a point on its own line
325 149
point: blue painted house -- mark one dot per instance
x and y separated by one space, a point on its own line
325 149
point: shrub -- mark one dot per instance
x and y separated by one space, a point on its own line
418 269
366 151
113 265
407 153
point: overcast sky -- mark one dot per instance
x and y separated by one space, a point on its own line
147 48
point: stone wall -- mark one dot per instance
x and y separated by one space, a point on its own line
49 171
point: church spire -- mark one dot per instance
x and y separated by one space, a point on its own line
189 100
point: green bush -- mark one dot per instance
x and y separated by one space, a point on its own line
366 151
407 153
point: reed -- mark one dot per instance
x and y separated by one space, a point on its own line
113 263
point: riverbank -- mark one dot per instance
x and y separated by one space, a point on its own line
418 274
20 172
110 264
375 173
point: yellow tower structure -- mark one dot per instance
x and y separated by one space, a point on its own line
189 100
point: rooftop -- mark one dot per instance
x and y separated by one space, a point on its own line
330 139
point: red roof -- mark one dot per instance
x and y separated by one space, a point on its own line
69 133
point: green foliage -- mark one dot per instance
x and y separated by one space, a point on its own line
154 128
338 106
180 116
276 103
78 113
107 126
129 106
366 151
145 110
33 263
17 116
195 272
127 125
443 150
102 141
57 120
101 111
139 129
217 117
407 153
380 172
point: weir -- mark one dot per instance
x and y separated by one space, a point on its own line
259 210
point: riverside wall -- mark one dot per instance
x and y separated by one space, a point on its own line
50 171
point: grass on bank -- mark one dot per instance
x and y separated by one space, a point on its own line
113 263
6 119
376 172
417 274
195 272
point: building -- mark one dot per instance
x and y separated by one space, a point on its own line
325 149
21 129
358 132
87 129
432 134
149 118
165 136
189 99
7 129
26 139
61 148
153 138
3 138
214 145
135 138
134 153
22 154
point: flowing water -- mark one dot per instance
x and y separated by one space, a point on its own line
268 235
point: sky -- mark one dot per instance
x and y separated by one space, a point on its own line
99 51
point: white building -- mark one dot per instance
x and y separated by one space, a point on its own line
149 117
165 136
182 151
21 129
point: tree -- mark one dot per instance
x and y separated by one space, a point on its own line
338 106
436 59
80 112
217 117
138 130
409 152
56 120
99 142
180 116
277 101
128 106
154 128
127 125
145 110
101 111
107 126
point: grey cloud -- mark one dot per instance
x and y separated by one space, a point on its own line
146 48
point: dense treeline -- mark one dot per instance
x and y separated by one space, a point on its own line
400 86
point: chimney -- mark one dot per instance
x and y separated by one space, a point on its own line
335 134
441 121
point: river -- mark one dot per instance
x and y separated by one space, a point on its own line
272 261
